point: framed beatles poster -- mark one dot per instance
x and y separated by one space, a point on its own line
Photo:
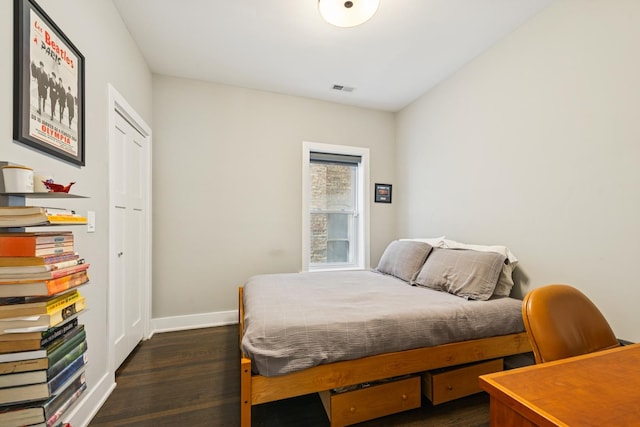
48 86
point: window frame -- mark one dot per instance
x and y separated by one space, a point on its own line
362 237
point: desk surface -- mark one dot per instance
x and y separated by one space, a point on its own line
598 389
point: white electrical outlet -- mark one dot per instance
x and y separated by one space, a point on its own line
91 222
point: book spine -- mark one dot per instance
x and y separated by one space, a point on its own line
42 276
52 250
66 404
52 259
51 242
57 239
50 406
46 339
37 260
72 355
22 272
67 373
58 317
58 211
60 284
64 302
66 219
45 238
64 339
69 270
23 246
59 353
66 264
51 334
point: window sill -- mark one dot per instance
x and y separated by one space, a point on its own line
350 268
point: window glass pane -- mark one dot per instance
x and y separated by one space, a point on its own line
338 226
331 236
333 186
337 251
319 238
338 237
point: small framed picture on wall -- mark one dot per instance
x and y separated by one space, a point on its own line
383 193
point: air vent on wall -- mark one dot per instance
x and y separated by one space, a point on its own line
343 88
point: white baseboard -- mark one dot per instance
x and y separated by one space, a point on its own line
194 321
83 412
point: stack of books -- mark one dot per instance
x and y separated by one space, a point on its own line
27 216
43 348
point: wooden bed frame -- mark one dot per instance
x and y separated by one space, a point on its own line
257 389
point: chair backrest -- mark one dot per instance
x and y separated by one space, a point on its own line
562 322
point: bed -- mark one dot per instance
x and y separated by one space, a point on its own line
425 307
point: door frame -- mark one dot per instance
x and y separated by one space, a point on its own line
117 104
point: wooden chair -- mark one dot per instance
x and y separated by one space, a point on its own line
562 322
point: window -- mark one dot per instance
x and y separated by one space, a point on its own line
335 213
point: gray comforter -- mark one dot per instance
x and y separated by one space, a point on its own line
299 320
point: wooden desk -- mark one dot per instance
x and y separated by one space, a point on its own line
598 389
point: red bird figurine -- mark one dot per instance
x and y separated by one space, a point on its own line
57 188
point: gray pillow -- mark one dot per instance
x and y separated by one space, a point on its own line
466 273
403 259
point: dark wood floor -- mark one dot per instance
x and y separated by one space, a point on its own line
191 378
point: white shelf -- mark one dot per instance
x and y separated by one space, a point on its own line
50 195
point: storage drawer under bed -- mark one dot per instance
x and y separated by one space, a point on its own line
374 401
443 385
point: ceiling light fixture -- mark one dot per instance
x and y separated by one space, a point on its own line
343 13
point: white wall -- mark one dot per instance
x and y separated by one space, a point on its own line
97 31
536 145
227 186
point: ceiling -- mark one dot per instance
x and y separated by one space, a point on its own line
284 46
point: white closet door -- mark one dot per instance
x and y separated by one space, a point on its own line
128 237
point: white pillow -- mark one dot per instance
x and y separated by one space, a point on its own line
505 280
